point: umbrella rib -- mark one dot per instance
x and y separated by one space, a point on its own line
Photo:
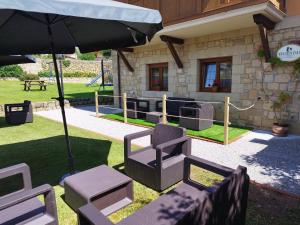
131 28
7 20
73 39
31 17
58 20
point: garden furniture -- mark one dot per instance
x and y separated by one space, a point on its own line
18 113
190 203
174 104
154 117
40 83
197 118
159 165
104 187
137 108
23 206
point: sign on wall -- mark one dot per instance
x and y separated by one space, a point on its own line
289 53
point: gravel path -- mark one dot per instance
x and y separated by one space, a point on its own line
270 160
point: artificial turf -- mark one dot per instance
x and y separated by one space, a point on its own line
215 133
41 145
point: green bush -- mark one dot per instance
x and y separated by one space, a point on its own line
11 71
69 74
87 56
66 63
106 53
27 76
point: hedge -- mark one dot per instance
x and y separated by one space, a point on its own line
11 71
70 74
27 76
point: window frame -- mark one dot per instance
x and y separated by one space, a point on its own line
160 66
217 61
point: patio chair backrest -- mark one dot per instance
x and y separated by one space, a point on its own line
163 133
175 103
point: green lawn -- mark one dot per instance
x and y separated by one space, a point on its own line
12 92
215 133
41 145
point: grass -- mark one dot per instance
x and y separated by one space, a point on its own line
41 145
12 92
215 133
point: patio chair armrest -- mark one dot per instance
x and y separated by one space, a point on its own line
20 197
128 138
182 140
157 107
18 169
204 164
90 215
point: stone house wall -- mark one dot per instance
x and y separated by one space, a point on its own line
249 78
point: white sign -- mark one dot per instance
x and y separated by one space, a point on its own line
289 53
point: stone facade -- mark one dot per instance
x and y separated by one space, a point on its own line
251 78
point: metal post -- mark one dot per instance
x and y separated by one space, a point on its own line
102 71
125 107
226 119
61 100
164 109
96 103
61 77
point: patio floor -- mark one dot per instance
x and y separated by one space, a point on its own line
270 160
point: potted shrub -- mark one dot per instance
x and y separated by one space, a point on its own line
280 127
215 86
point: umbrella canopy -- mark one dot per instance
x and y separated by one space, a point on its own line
90 25
15 59
58 26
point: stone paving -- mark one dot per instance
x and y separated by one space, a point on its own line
270 160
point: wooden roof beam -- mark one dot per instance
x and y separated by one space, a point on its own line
170 41
124 59
264 24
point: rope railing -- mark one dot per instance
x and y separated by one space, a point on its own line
164 100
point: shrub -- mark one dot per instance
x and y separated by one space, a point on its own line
66 63
106 53
87 56
27 76
11 71
69 74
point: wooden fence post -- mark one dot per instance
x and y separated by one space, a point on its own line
125 107
226 119
164 109
96 103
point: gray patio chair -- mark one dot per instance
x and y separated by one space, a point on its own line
23 206
197 118
159 165
18 113
191 203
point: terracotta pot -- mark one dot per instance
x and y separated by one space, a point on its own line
280 130
214 88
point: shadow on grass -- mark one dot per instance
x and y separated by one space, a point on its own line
47 158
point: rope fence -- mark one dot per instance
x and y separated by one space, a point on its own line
227 104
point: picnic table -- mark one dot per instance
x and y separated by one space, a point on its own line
29 83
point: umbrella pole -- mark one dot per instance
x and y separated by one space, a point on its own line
61 102
62 106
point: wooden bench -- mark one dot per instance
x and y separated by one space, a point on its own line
41 83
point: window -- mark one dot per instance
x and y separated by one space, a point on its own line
216 74
158 77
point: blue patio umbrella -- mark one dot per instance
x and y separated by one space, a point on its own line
15 59
58 26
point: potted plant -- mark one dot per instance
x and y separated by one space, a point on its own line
215 86
280 127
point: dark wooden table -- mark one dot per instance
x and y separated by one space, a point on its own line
40 83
